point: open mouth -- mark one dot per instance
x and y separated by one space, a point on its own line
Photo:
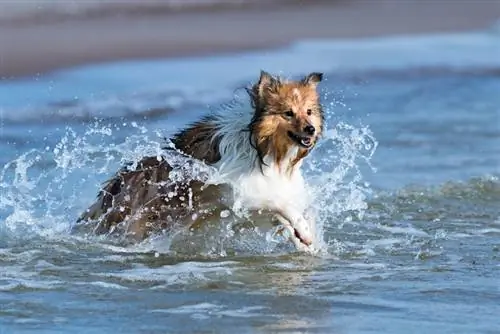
301 140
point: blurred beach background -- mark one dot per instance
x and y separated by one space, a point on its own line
405 178
43 35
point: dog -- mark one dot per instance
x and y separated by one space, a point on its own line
257 155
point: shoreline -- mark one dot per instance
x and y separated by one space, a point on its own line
34 48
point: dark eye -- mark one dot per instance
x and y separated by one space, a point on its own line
309 112
289 113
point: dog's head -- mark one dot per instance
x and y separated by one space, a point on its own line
287 114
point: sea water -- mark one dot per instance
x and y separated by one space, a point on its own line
405 180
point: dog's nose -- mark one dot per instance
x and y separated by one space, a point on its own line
309 129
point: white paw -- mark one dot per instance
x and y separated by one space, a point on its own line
303 231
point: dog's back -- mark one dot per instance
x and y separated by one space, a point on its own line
145 201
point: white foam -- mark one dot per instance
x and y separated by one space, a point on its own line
34 284
408 230
105 285
206 310
180 273
490 231
188 309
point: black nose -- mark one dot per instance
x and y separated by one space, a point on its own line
309 129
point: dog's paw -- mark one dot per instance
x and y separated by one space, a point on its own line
302 231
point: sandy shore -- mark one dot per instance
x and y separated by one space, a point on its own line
38 46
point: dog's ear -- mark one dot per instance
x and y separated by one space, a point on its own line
313 79
266 82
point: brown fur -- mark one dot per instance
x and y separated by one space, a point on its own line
144 201
148 203
196 141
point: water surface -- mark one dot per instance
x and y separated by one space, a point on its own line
406 181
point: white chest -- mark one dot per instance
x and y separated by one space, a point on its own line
270 188
280 189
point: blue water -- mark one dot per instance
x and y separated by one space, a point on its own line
406 181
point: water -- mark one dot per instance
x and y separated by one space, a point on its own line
406 181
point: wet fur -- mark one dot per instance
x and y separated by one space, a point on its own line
143 201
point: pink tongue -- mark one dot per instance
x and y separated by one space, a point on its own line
306 141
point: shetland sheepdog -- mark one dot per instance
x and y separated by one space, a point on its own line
257 154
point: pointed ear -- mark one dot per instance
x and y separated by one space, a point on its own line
313 79
266 81
265 78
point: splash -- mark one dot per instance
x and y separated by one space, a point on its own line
336 171
45 190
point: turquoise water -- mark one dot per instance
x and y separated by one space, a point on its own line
406 181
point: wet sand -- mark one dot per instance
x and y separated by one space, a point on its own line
30 47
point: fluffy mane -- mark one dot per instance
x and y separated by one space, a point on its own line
237 141
222 139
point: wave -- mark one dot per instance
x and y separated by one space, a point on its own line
144 105
461 204
415 220
111 90
162 102
479 189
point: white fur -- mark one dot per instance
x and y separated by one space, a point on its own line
254 188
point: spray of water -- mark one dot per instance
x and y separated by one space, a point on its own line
44 190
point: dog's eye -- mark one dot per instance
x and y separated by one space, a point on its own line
309 112
289 114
